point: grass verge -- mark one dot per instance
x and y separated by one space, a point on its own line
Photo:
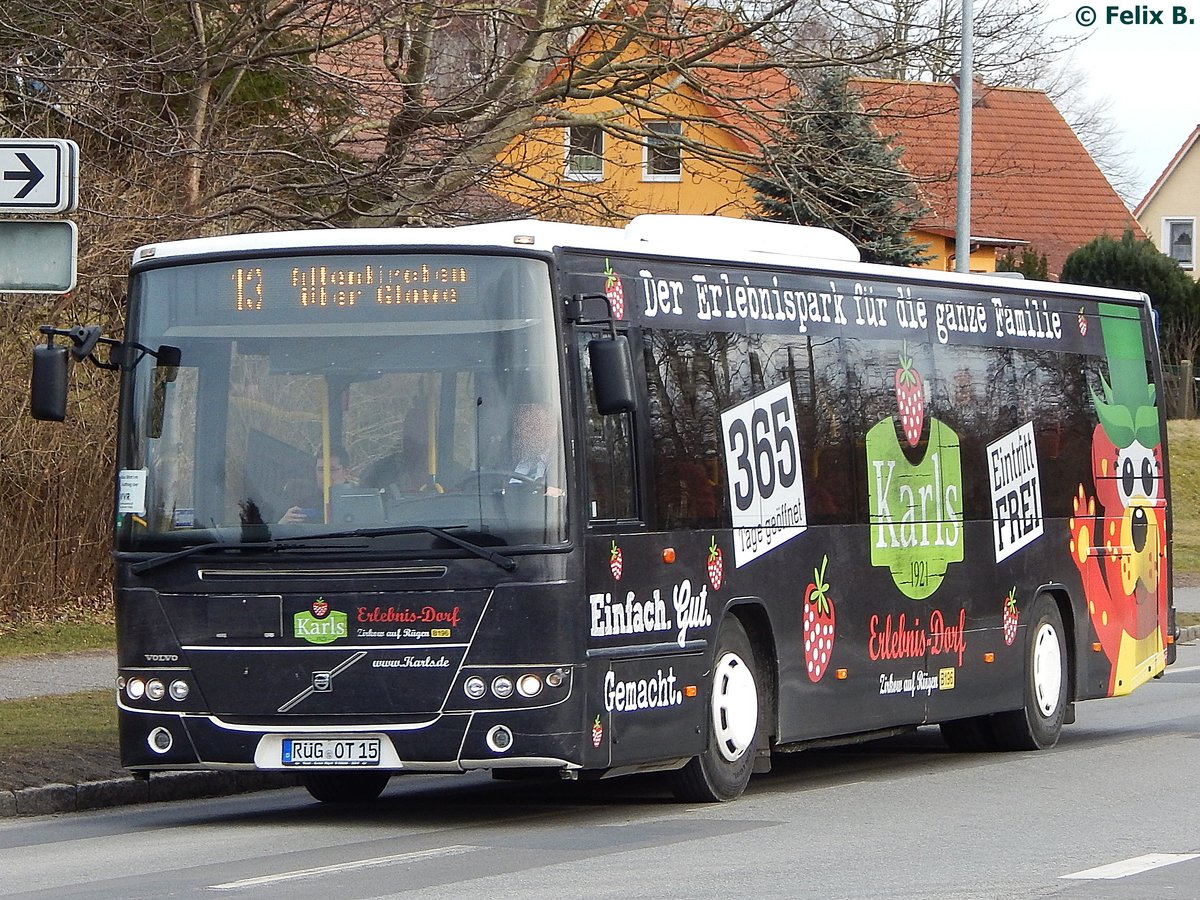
57 637
70 738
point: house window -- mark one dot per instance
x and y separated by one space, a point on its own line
585 153
1180 235
662 157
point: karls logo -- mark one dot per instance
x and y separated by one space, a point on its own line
320 626
915 507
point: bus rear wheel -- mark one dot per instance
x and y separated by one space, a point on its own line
1038 724
723 770
345 787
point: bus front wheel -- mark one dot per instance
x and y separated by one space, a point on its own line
1037 725
723 770
345 787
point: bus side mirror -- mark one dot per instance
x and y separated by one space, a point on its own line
612 374
48 386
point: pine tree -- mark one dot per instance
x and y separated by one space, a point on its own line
830 168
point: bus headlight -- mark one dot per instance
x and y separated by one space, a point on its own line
475 687
179 690
502 686
155 690
529 685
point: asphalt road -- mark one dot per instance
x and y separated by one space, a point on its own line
1108 814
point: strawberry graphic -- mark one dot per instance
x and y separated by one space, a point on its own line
818 625
320 608
716 565
614 291
1010 616
597 733
616 562
1082 323
910 398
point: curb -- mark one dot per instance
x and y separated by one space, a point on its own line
1188 634
161 787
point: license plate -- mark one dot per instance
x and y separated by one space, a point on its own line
330 752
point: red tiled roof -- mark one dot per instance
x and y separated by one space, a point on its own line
1032 180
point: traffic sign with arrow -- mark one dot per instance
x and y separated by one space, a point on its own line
38 176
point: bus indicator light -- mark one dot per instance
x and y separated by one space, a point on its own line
668 555
842 674
989 657
690 691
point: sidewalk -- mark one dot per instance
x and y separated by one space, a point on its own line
41 676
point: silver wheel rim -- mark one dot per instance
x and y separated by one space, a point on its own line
1047 670
734 706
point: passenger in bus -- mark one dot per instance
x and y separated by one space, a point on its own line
309 502
403 471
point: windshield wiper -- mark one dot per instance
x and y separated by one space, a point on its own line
507 563
154 562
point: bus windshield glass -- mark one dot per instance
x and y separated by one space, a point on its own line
331 393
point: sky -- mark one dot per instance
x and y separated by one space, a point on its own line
1146 71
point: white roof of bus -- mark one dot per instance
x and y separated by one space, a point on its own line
709 238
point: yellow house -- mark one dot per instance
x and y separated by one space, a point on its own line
1170 208
674 146
687 146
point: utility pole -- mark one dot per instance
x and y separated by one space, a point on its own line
966 97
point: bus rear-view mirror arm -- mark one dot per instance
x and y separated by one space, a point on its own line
48 384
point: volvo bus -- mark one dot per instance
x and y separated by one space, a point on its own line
777 498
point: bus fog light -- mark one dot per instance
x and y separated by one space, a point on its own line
475 687
135 688
502 686
160 740
499 739
529 685
155 690
179 690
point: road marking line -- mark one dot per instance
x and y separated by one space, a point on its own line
1171 670
1134 866
318 871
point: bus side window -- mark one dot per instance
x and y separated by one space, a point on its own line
609 451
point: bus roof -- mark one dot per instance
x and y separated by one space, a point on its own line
714 239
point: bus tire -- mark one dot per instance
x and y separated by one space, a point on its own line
1037 725
734 718
345 787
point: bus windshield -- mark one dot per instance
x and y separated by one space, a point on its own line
320 394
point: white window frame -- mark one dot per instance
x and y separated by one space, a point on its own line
575 175
677 136
1189 222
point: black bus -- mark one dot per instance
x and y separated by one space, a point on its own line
596 501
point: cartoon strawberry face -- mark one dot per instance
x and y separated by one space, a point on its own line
910 399
614 291
320 608
715 565
1010 617
819 625
597 733
616 563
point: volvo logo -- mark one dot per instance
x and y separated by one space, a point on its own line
322 682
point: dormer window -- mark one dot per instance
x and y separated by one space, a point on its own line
585 153
662 154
